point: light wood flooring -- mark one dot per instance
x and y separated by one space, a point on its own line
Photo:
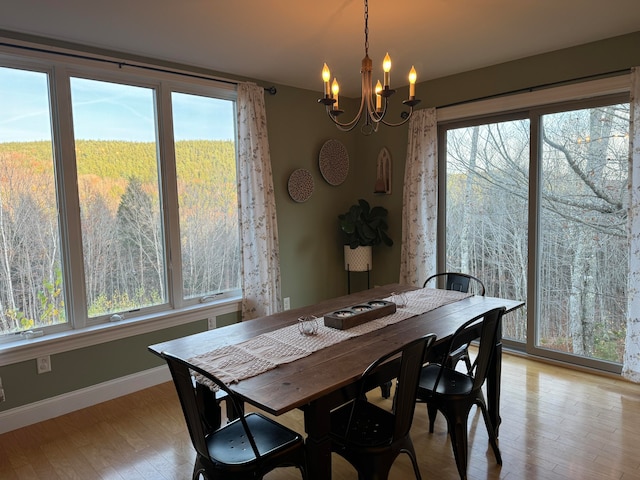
558 424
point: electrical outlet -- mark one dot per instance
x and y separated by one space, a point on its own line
286 303
2 397
44 364
212 323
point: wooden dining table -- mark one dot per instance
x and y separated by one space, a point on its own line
325 379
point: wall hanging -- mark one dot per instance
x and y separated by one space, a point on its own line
334 162
383 175
300 185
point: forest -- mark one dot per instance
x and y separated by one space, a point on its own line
122 227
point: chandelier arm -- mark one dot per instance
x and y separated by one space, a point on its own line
405 120
347 126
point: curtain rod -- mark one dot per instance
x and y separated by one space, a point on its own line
271 90
613 73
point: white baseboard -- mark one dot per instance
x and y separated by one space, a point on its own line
53 407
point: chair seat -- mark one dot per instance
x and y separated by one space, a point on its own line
229 445
451 382
371 426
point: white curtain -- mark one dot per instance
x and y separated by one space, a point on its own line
261 291
420 200
631 363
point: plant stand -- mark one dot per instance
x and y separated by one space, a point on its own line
357 260
349 278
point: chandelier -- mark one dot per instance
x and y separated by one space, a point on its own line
373 104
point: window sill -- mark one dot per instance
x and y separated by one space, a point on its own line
23 349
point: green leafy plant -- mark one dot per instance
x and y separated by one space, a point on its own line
363 226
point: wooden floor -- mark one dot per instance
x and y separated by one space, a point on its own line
557 424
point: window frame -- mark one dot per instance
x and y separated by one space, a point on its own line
80 331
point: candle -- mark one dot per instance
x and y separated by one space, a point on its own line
378 97
386 66
326 76
412 82
335 88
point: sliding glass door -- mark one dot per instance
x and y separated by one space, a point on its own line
535 205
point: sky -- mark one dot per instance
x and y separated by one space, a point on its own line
105 111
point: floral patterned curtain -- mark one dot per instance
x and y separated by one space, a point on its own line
631 362
261 291
420 200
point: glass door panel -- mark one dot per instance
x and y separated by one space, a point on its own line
583 232
487 207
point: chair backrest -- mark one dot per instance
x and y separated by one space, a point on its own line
485 328
491 326
412 357
460 282
181 372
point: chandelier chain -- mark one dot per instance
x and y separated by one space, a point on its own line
366 27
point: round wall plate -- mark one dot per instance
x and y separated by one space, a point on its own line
300 185
334 162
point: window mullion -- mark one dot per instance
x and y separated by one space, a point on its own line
65 161
169 195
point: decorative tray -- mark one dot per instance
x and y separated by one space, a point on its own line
349 317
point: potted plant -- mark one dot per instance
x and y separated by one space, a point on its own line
363 227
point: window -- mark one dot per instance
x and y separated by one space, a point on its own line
117 194
536 202
118 176
31 277
206 173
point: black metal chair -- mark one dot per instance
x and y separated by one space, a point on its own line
248 447
453 393
461 282
370 437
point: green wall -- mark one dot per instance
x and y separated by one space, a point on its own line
310 249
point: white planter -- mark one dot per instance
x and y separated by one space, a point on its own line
357 259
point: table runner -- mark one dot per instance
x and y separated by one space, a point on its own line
233 363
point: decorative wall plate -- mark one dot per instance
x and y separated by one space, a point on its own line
300 185
334 162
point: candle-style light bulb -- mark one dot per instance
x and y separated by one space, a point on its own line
335 88
326 76
378 97
412 82
386 66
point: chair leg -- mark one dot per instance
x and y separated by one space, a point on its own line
432 412
409 450
385 389
458 434
493 439
198 469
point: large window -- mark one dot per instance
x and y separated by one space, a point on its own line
31 280
117 195
536 206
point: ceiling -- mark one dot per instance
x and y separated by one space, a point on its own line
287 41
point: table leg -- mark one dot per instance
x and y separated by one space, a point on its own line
318 444
493 384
